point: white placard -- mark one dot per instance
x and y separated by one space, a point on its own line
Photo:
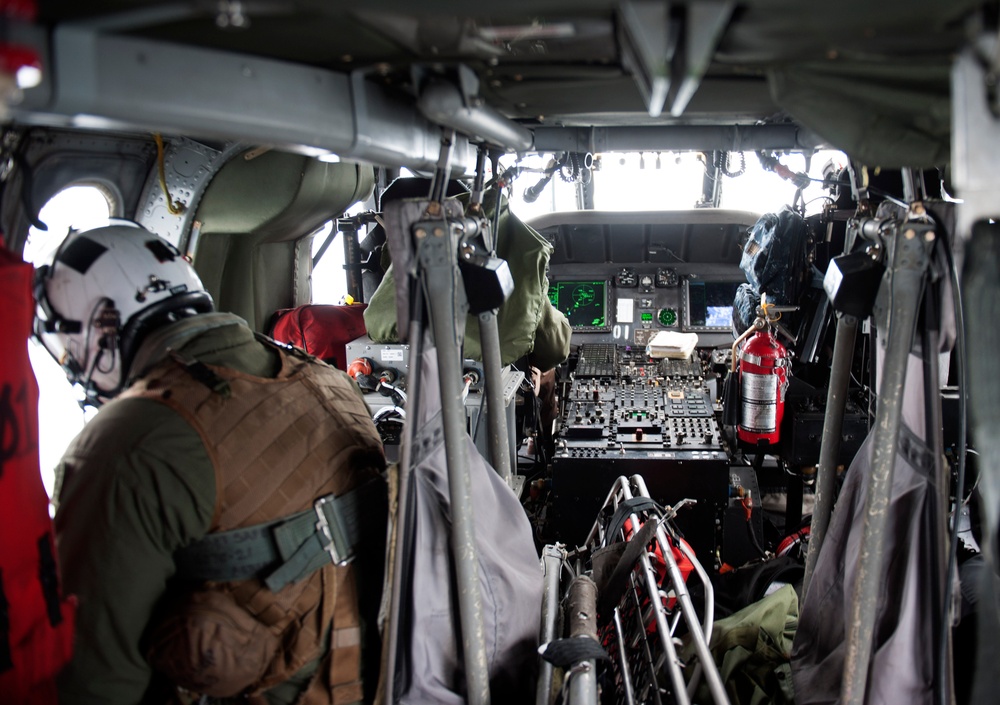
626 311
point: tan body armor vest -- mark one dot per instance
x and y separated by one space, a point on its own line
277 445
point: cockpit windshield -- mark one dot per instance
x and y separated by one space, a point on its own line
661 181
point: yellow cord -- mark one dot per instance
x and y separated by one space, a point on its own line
767 314
174 207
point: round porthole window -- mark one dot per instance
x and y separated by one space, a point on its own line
60 416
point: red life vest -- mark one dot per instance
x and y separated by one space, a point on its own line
36 622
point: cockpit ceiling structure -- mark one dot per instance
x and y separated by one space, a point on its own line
873 80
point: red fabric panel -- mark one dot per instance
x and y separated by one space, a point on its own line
321 330
32 648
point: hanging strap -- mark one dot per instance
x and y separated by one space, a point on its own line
617 581
287 549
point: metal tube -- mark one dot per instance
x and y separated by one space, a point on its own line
442 173
642 138
581 606
708 621
906 281
477 186
397 593
499 442
711 194
552 558
940 491
673 664
438 258
347 114
581 609
623 660
829 450
715 685
443 103
322 248
597 530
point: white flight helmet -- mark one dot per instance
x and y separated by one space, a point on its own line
104 290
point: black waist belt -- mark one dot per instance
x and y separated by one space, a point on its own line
291 548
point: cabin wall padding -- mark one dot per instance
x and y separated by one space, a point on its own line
254 215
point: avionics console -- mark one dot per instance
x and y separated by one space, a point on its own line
624 414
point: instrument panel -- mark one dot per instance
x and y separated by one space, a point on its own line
631 304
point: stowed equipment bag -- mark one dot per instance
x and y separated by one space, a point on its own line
321 330
36 623
775 261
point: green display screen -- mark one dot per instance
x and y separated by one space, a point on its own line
584 303
646 317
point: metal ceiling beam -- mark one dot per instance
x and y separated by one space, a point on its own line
113 82
731 138
703 29
444 103
648 39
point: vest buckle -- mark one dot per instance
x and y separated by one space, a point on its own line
330 526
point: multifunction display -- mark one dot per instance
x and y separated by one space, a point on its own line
584 303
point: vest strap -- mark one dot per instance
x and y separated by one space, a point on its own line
287 549
203 374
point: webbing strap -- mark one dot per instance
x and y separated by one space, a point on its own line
287 549
617 582
626 509
567 652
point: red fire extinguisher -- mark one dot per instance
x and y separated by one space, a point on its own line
763 379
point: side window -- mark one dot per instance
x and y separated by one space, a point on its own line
329 283
329 280
59 412
764 192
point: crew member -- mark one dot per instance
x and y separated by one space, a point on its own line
207 516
